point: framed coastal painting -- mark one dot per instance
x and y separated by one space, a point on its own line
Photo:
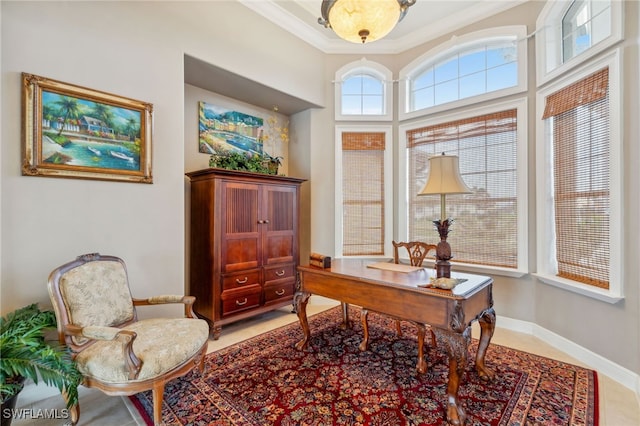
74 132
222 131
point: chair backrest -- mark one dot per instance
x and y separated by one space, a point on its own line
92 290
417 251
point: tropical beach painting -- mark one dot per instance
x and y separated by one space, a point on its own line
71 131
223 131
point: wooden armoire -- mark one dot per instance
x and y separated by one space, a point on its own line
244 243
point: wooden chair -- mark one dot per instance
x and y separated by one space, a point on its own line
114 351
417 252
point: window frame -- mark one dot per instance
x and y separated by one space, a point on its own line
549 62
375 70
388 186
453 47
520 104
544 184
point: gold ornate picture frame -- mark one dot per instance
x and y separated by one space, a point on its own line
74 132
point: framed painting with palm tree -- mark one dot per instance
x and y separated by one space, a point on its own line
74 132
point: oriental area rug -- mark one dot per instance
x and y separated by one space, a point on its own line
266 381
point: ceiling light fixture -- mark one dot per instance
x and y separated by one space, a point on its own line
359 21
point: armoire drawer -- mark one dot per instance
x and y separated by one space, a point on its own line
234 301
240 279
277 292
280 272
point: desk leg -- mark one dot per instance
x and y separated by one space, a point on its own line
487 321
364 313
456 345
300 301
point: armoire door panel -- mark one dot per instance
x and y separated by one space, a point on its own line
240 253
278 249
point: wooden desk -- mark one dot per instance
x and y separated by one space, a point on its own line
449 312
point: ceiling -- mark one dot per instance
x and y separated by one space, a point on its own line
424 21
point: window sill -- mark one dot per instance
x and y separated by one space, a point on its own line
485 270
574 287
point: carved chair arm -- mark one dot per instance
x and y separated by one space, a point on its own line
188 302
126 337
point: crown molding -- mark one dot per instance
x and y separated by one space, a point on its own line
275 13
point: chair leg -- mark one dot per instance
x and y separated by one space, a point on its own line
200 361
158 396
75 414
365 330
345 316
398 328
74 411
422 364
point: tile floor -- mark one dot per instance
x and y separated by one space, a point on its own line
619 405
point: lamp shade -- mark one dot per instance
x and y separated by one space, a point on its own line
444 176
363 20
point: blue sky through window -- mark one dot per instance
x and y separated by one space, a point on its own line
362 94
480 69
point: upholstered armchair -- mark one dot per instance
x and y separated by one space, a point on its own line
114 351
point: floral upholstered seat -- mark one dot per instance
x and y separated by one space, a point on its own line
114 351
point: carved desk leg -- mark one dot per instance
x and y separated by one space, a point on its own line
487 321
364 313
300 301
456 345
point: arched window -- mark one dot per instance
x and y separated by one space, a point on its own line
362 94
569 33
485 64
363 91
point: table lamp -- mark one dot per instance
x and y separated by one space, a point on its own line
444 178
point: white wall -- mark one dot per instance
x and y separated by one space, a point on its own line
133 49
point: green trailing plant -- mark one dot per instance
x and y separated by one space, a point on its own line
26 354
257 163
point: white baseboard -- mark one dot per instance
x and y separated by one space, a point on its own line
602 365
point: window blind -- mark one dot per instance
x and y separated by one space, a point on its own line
578 116
485 222
363 193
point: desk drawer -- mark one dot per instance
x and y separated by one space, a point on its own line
241 279
234 301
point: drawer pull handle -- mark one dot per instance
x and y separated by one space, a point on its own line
242 281
280 292
244 302
281 273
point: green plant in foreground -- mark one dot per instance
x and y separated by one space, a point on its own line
26 354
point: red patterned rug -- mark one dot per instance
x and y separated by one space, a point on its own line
266 381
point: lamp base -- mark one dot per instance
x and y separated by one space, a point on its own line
443 250
443 269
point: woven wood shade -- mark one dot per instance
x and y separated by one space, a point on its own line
579 116
485 227
363 193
